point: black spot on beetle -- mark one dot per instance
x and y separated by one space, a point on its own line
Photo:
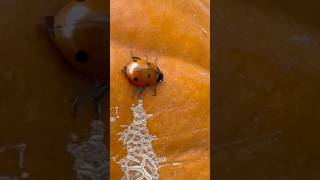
81 56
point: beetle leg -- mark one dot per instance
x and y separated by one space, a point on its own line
138 91
133 92
133 57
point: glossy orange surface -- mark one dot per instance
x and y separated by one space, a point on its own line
177 32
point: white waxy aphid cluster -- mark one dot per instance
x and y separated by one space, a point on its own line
116 116
141 163
91 156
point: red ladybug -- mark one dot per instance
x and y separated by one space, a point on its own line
143 73
79 31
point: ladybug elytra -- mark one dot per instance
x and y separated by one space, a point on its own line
79 31
143 73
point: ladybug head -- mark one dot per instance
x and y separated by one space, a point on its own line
159 76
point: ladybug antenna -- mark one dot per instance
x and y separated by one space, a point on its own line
134 58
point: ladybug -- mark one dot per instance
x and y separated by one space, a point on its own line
79 31
142 74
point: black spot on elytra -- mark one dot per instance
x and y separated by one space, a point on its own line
135 79
81 56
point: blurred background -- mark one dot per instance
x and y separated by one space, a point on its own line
36 91
266 95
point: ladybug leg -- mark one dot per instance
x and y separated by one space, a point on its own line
138 91
134 91
133 57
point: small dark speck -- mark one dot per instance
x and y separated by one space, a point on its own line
81 56
135 79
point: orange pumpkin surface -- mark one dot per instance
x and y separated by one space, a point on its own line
177 32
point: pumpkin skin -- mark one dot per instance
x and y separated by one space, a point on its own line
177 32
266 73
